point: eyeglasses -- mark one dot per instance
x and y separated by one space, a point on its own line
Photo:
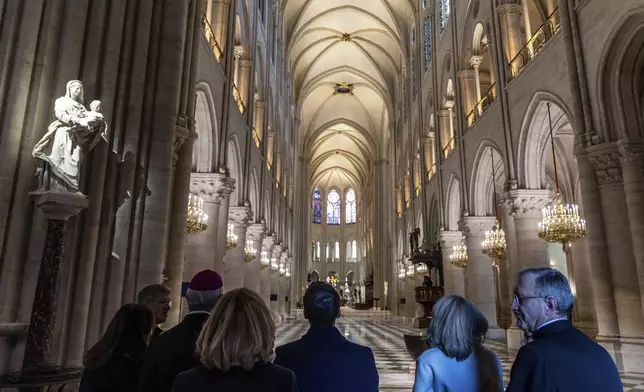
520 299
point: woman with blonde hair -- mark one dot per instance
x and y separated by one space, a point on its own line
236 350
456 359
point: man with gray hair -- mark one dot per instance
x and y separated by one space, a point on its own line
559 357
175 350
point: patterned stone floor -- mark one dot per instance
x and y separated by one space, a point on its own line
384 335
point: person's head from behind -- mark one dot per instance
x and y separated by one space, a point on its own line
128 334
240 332
204 291
321 304
457 327
541 295
156 297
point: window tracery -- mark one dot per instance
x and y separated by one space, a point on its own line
317 206
351 212
333 208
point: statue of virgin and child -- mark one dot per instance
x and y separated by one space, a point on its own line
70 138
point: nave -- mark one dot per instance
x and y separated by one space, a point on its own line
383 333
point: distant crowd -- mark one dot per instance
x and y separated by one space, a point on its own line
226 343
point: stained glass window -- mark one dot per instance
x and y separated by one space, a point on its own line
333 208
351 206
328 256
444 13
317 250
336 251
354 250
348 254
428 42
317 206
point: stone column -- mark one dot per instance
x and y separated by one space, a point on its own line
283 291
226 188
252 274
624 271
632 161
219 21
234 259
526 206
265 284
475 62
239 51
202 251
58 207
245 66
259 120
468 81
510 17
177 231
453 276
527 27
275 290
449 105
480 285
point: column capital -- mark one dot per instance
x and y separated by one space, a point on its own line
181 134
448 239
259 104
211 186
526 202
267 243
476 226
476 60
256 231
239 51
607 165
510 7
277 249
631 152
449 105
245 63
240 216
60 205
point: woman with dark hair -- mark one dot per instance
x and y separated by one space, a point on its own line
113 363
457 360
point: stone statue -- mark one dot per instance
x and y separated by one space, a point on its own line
73 134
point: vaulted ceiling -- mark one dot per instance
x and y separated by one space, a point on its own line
359 45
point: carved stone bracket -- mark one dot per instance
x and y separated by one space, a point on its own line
631 153
607 165
181 134
526 202
240 216
268 242
448 239
256 232
476 226
206 186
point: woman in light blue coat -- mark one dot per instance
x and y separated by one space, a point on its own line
456 360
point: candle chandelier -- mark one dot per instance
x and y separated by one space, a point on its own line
561 222
231 237
274 265
494 244
264 260
459 255
249 252
196 220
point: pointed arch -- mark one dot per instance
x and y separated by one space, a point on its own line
234 164
316 206
204 155
333 202
350 206
481 182
453 203
253 194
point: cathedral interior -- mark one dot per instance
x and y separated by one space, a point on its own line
400 151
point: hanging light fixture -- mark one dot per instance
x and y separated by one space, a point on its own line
231 237
494 244
274 265
264 260
561 222
196 219
249 252
459 255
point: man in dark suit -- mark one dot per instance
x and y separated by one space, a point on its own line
156 297
174 351
558 356
323 360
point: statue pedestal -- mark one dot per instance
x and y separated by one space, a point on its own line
58 207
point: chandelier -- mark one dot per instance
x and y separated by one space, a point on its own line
196 220
287 273
231 237
494 244
421 269
459 255
282 270
410 271
264 260
401 273
274 265
250 252
561 222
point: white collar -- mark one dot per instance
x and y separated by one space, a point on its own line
198 312
551 321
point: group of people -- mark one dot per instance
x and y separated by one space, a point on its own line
226 343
